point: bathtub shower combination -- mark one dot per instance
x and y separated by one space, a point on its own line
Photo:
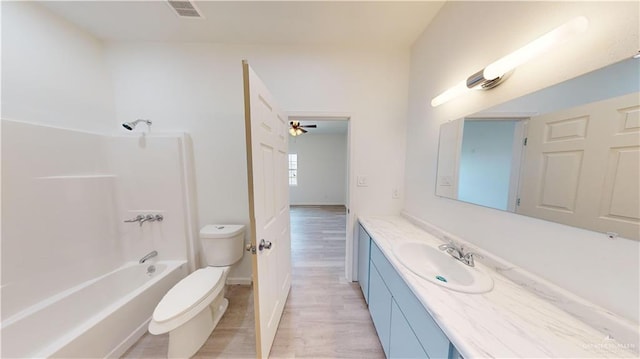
85 280
103 316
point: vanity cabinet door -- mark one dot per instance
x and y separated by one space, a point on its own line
431 337
380 307
403 342
364 245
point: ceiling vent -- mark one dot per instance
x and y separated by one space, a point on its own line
185 9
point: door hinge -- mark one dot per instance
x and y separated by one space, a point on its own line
518 202
525 141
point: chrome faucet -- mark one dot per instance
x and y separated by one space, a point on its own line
148 256
148 217
141 218
468 259
458 253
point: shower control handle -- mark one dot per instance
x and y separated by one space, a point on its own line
138 218
141 218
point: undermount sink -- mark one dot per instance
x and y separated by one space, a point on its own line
441 268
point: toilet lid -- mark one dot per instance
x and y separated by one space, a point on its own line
188 293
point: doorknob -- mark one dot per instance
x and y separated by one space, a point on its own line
264 245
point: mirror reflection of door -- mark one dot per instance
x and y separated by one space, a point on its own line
582 166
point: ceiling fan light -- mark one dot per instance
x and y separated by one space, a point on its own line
292 132
299 131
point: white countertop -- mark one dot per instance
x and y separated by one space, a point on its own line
509 321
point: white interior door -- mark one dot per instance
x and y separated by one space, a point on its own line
267 163
582 167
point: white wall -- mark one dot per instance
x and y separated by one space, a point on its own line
49 62
485 163
55 74
456 45
67 184
322 169
197 88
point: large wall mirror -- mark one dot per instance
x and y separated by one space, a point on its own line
569 153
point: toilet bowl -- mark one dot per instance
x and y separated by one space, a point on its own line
193 307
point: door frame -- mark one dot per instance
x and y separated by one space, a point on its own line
350 251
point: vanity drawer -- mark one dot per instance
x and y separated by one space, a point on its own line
435 343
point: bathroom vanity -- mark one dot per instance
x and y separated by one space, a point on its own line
419 319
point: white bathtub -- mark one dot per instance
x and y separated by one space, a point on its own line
99 318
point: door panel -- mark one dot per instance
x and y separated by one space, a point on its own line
267 146
564 179
559 180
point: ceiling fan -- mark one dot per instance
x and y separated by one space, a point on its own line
297 129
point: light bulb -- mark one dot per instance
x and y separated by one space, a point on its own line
537 47
451 93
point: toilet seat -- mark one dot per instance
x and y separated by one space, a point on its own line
187 298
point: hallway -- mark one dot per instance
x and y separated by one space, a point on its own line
324 317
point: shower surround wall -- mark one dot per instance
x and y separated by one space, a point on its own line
58 212
65 196
67 183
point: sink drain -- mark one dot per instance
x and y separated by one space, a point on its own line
441 278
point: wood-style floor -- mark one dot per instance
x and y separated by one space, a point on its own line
324 317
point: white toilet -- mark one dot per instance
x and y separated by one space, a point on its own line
193 307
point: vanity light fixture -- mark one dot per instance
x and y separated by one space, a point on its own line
496 72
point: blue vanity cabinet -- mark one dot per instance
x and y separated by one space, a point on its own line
418 335
403 342
364 245
380 307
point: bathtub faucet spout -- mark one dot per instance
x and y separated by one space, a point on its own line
148 256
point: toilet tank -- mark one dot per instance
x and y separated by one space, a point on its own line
222 244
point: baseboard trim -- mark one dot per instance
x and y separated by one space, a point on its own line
239 280
317 204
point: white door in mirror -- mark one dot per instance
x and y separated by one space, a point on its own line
582 167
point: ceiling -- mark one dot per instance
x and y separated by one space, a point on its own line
389 24
326 127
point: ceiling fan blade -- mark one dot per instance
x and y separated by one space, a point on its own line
303 130
309 126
